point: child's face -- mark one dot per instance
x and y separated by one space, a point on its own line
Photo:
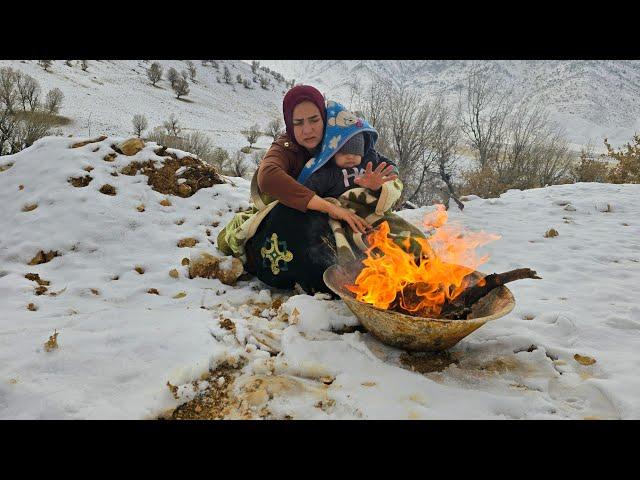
347 160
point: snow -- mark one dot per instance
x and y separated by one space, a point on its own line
118 348
104 99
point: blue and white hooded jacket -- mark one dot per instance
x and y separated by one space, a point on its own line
323 176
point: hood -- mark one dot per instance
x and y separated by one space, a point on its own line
341 126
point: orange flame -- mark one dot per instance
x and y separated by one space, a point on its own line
438 276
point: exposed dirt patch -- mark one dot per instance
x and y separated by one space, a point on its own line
42 257
427 362
215 402
41 290
193 174
34 277
110 157
81 181
86 142
108 189
88 168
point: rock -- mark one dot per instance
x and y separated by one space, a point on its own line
184 190
153 291
32 307
570 208
80 181
108 189
205 265
165 202
230 274
29 207
583 359
139 269
140 208
185 261
187 242
132 146
42 257
551 233
173 273
180 295
110 157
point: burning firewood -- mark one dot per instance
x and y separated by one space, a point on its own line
441 283
460 307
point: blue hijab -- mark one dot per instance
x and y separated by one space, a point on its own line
341 126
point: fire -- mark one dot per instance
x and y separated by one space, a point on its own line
419 285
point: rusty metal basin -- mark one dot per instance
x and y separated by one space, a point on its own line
416 333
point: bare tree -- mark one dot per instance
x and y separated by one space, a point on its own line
173 76
30 129
185 74
8 126
254 66
29 91
53 101
46 64
68 63
257 157
140 124
154 73
8 91
84 64
192 70
239 78
227 75
484 111
181 87
252 134
264 82
172 126
237 165
247 84
274 128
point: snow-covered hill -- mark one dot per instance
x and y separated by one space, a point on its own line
104 99
590 98
136 336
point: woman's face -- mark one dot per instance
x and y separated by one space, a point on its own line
307 125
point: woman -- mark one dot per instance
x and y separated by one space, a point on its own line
293 242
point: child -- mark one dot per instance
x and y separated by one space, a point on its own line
344 171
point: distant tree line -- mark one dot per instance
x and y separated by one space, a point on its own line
25 113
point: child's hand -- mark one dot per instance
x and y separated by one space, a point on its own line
373 179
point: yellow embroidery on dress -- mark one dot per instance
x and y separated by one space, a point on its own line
274 255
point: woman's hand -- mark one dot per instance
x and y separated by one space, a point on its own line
373 179
357 224
336 212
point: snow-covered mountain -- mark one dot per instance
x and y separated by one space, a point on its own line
591 99
103 99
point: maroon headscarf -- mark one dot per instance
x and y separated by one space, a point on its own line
299 94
